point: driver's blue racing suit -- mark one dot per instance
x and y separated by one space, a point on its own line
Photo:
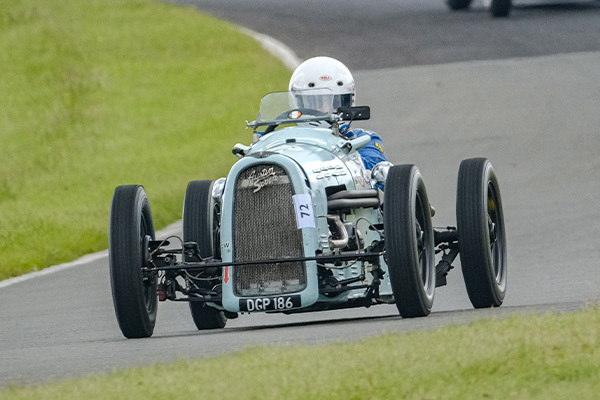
372 153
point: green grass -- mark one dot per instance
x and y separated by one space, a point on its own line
520 357
99 93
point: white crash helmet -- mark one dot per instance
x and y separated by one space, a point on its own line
323 72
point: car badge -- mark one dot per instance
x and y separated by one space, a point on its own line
325 78
265 177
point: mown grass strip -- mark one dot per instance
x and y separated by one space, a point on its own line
95 94
521 357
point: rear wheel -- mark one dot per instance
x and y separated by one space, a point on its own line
134 291
500 8
200 225
481 233
409 241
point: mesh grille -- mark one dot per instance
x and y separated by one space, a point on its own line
264 224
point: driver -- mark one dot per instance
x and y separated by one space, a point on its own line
327 72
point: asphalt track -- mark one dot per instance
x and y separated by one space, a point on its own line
524 92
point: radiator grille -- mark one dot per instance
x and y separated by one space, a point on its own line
264 227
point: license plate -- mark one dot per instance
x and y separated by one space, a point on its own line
270 303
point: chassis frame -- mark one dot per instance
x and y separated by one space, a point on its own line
159 258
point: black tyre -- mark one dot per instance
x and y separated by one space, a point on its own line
409 241
458 4
500 8
481 233
200 225
134 292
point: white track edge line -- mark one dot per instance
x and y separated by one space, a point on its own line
275 47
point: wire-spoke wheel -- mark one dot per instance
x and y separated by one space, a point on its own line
201 225
481 233
409 241
134 291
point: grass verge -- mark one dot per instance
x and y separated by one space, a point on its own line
99 93
522 357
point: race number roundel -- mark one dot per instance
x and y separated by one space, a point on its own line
305 216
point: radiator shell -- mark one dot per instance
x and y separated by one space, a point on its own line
249 232
265 227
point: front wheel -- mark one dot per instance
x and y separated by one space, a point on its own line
201 225
133 290
481 233
409 243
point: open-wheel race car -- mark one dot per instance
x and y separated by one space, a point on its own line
300 225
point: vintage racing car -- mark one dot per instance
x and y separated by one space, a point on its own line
300 225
